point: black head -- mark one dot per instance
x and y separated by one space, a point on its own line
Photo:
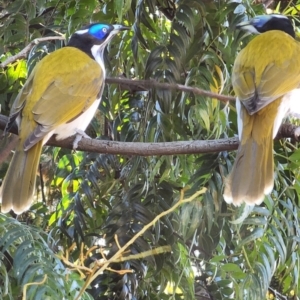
261 24
94 36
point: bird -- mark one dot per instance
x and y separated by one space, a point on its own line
266 82
60 97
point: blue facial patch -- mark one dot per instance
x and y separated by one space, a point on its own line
260 21
99 31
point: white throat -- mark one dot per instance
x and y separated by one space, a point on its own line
97 52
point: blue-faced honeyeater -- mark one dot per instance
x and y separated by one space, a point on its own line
265 79
60 97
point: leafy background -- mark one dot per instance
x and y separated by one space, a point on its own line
91 204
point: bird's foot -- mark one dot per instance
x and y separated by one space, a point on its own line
79 135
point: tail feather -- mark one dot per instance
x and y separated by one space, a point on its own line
252 175
19 183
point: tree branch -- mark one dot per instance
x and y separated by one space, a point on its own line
144 85
149 149
139 85
24 52
138 148
121 250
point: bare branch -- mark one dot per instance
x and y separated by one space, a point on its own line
138 148
24 52
149 149
121 250
144 85
139 85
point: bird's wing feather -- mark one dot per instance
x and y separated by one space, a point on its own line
67 101
259 78
19 102
70 89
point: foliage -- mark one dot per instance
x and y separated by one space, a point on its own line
28 260
95 204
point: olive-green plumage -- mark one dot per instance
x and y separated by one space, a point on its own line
19 183
265 74
57 91
60 97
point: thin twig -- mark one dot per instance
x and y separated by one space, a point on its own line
120 272
117 241
24 297
277 294
152 84
144 254
84 271
24 52
118 254
74 266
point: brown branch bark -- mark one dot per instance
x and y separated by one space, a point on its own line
138 148
144 85
149 149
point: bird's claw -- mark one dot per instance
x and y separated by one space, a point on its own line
79 135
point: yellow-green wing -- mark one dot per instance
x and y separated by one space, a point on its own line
65 84
260 76
19 102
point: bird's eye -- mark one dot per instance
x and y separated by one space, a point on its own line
104 30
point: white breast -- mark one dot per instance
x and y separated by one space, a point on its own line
290 104
81 123
65 130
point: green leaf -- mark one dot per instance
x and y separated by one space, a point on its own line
240 9
119 8
256 234
230 267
